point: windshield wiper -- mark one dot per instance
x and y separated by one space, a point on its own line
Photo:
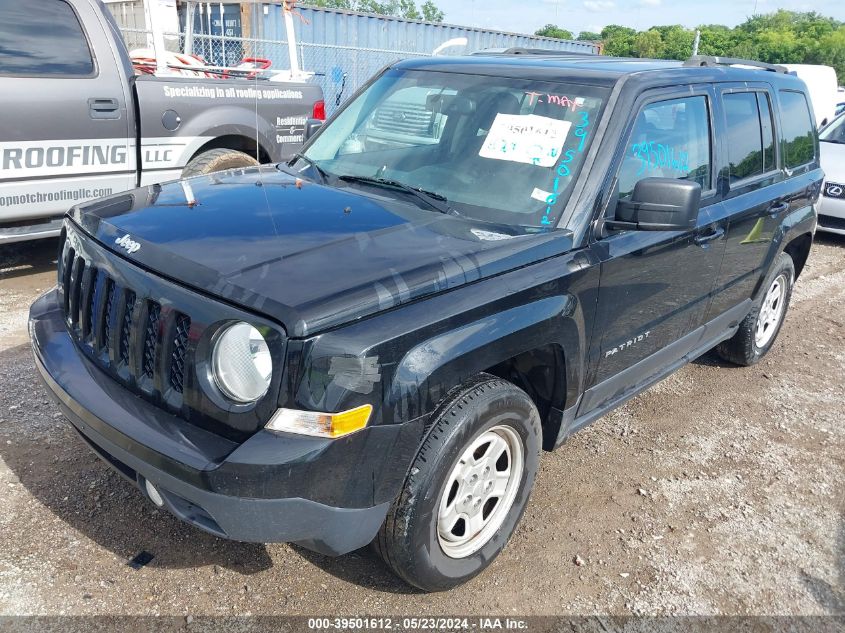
322 173
436 201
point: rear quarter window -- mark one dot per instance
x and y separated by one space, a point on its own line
43 41
799 145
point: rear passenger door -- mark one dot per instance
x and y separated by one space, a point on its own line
66 131
763 159
749 177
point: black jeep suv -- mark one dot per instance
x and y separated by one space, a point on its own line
475 258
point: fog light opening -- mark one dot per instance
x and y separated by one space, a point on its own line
153 493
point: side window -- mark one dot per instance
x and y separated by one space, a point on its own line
44 41
751 150
799 147
769 157
670 139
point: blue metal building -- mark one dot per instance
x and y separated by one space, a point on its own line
346 48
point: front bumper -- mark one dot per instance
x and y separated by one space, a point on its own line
831 214
231 490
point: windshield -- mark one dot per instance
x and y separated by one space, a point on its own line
835 132
494 149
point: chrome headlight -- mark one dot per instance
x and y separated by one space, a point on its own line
241 363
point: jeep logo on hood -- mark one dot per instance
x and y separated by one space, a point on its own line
128 244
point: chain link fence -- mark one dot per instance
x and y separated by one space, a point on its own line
339 70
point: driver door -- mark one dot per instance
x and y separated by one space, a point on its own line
656 285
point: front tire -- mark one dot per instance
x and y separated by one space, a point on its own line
217 160
467 488
759 330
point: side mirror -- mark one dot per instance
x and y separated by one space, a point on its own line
659 204
311 127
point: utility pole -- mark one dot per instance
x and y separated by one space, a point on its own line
696 42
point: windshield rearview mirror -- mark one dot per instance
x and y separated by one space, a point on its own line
437 101
459 105
449 104
659 204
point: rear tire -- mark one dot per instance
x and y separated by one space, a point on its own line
759 330
217 160
467 488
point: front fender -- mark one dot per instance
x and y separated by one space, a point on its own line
429 369
404 361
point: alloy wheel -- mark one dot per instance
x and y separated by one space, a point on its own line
480 491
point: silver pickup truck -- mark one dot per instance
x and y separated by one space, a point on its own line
77 123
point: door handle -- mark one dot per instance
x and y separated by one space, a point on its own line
103 108
706 238
778 208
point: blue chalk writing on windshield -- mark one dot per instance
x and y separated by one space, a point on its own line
563 170
581 130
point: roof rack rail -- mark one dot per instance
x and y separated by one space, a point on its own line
710 60
545 52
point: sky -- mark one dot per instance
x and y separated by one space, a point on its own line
526 16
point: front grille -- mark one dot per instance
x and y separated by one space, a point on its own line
830 222
152 335
90 301
125 326
180 348
96 304
76 290
151 338
105 331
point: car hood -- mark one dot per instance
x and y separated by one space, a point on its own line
307 255
833 161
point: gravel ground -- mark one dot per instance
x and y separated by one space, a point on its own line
718 491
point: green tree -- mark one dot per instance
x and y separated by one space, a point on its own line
333 4
715 40
408 10
677 41
431 13
831 52
649 44
781 37
618 40
552 30
589 36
